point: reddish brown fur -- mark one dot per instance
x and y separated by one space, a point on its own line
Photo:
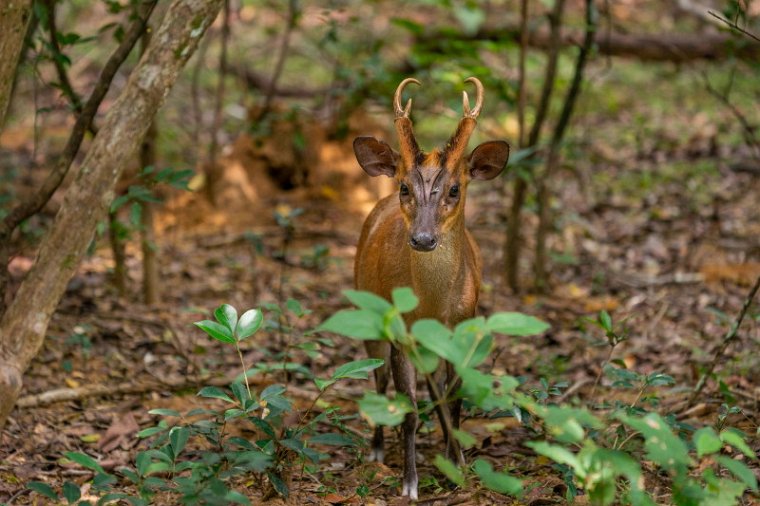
418 239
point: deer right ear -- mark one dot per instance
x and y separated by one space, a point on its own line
376 157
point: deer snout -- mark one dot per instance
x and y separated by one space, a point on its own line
423 241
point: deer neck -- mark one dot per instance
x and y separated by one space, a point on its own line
435 274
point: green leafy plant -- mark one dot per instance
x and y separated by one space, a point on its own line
194 459
427 343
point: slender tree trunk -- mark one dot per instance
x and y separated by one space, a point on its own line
14 17
552 160
514 221
150 286
23 327
119 254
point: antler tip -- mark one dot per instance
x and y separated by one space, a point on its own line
403 112
473 113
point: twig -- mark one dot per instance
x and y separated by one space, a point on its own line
729 337
733 25
749 129
555 42
63 77
200 60
514 224
521 69
559 133
220 86
293 13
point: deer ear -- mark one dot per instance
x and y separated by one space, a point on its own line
376 157
488 160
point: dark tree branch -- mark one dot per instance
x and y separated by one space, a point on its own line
553 156
63 76
749 130
521 99
514 221
648 47
555 25
217 124
34 203
733 25
293 13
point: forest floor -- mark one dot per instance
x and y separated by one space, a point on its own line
665 240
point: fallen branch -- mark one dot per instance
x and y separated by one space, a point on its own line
86 392
729 337
260 82
680 47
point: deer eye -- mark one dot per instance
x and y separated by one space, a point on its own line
404 190
454 191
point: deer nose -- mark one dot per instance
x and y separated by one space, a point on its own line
423 241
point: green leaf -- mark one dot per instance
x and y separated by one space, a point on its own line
333 439
448 468
434 336
404 299
178 437
150 431
295 307
214 393
254 460
497 481
71 492
322 383
706 441
216 330
558 454
470 17
516 324
424 360
406 23
737 441
474 340
358 369
738 469
487 391
465 439
566 424
368 301
605 320
357 323
84 461
249 323
278 484
42 489
227 316
164 412
379 410
663 447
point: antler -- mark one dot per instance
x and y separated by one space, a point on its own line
404 112
478 99
458 142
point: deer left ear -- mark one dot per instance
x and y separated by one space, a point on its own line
488 160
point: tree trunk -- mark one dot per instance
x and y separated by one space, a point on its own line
86 202
148 243
14 17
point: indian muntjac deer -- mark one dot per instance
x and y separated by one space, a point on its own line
418 238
